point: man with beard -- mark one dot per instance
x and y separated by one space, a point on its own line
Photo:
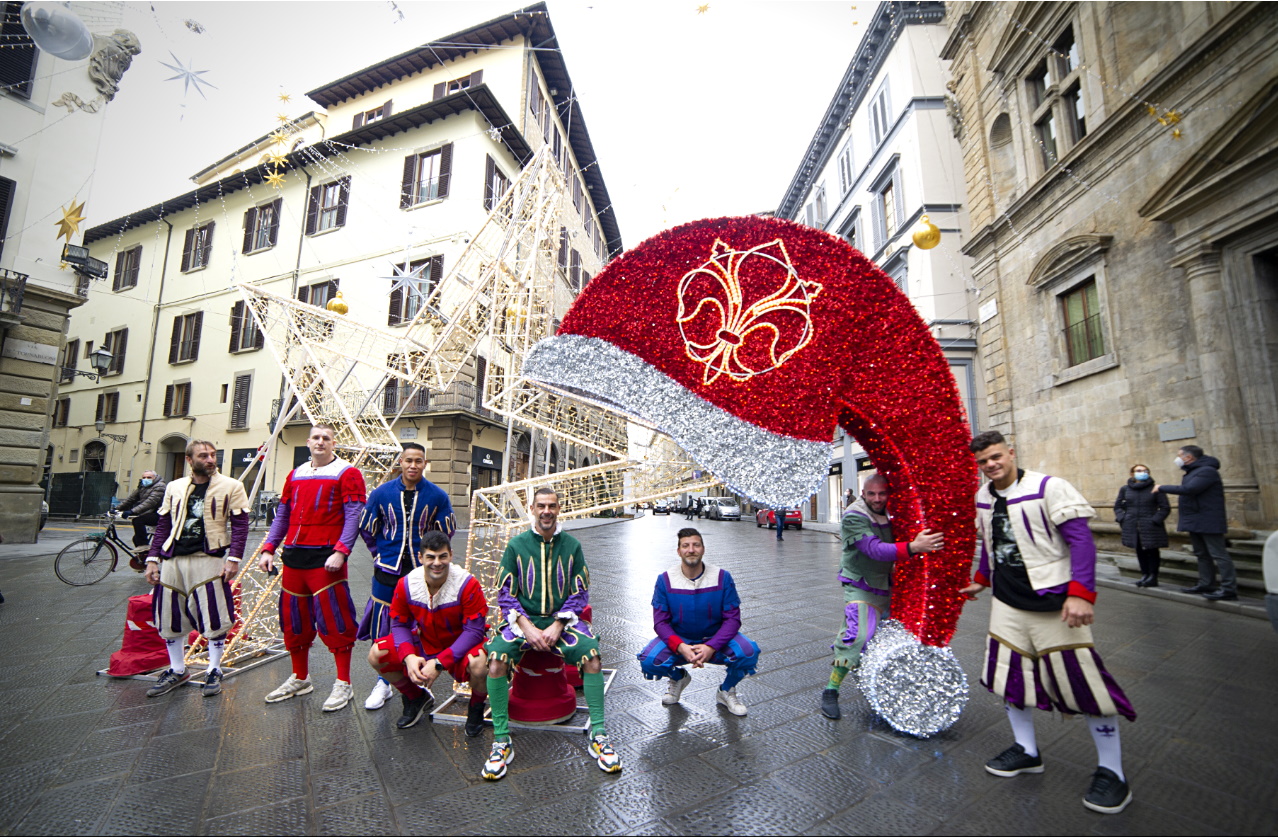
869 554
195 554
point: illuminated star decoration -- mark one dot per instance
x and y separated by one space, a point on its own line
279 137
282 117
494 134
284 97
69 225
276 179
194 26
402 279
703 9
190 78
277 159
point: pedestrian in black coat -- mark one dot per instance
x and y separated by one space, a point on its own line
1202 515
1141 512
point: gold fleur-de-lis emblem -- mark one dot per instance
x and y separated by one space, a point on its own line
744 312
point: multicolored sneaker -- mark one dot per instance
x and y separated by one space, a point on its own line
292 687
503 753
168 681
340 696
604 755
212 683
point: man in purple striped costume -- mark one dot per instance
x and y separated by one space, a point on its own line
1034 532
195 555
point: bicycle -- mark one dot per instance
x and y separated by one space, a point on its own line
263 509
92 558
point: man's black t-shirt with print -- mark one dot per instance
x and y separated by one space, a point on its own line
190 539
1011 579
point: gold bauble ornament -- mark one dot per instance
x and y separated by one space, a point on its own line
926 235
337 305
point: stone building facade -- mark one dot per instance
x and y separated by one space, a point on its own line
1120 165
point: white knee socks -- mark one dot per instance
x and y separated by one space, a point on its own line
177 654
216 647
1022 721
1109 750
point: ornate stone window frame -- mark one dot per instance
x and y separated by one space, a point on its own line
1065 267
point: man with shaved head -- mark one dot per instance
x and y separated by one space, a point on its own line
869 554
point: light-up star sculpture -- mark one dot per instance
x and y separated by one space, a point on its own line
69 224
190 77
411 280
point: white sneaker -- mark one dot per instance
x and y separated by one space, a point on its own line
675 689
730 701
292 688
340 696
381 693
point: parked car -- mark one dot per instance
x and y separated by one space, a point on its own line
661 507
768 517
723 508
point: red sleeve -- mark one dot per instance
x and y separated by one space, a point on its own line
473 602
1076 589
286 495
352 486
980 578
902 550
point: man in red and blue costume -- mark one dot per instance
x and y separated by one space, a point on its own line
437 623
697 615
316 524
399 512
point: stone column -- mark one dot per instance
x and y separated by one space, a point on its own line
1224 415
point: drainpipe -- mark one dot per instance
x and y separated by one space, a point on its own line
155 323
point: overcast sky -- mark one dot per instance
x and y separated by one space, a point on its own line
692 114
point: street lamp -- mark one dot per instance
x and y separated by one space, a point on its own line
100 360
100 426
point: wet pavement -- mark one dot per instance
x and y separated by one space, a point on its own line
85 754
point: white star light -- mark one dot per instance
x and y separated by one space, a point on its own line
409 280
190 78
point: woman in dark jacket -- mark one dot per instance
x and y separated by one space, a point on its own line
1141 512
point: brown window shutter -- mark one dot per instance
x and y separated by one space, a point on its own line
177 339
207 250
250 221
489 197
99 414
445 169
237 321
312 210
436 271
120 265
135 266
239 407
438 92
276 207
332 289
259 339
476 78
396 306
186 249
304 293
195 335
406 192
386 109
118 347
168 400
359 120
343 199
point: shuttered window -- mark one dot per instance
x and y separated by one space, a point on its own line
197 247
319 293
376 114
262 226
62 412
408 299
7 190
70 356
17 54
117 343
399 394
240 400
177 399
245 335
108 407
495 184
128 264
574 270
326 206
887 207
562 256
184 344
447 88
426 176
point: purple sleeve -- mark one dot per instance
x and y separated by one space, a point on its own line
876 549
661 621
984 566
472 633
279 528
239 534
1082 551
507 602
577 603
162 529
352 509
402 631
731 627
369 541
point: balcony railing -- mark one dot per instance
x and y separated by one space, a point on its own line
462 395
12 287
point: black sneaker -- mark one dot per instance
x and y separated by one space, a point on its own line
1108 793
830 704
212 683
414 709
475 717
1220 596
168 682
1013 761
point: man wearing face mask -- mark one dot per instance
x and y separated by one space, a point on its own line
1140 511
1202 515
142 505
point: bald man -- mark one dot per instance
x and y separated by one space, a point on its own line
869 554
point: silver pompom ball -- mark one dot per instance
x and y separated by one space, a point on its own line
919 689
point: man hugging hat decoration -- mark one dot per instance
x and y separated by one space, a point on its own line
747 340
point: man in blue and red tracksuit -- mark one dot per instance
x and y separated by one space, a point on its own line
316 524
697 615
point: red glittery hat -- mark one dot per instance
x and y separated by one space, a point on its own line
748 340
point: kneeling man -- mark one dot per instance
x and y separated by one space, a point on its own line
437 623
697 614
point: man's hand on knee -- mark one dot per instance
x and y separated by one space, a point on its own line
593 666
496 668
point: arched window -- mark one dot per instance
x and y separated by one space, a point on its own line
95 456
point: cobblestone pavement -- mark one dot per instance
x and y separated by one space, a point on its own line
84 754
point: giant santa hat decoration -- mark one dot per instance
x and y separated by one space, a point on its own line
748 340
